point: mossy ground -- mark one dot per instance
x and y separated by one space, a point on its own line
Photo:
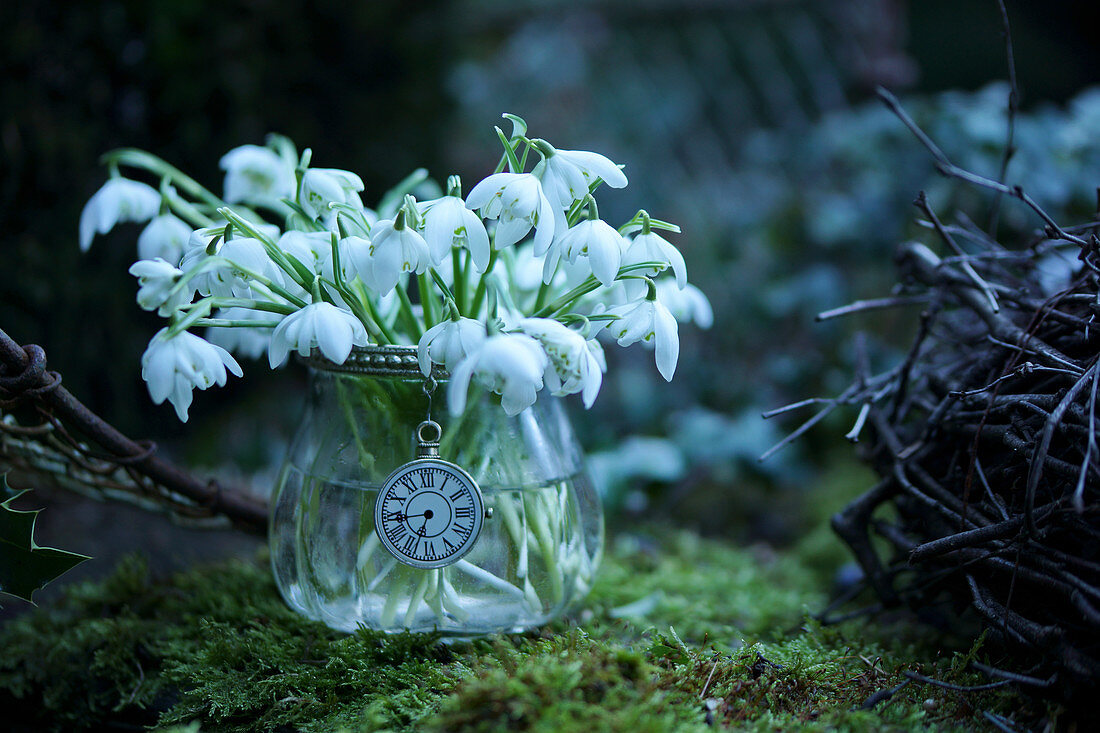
680 633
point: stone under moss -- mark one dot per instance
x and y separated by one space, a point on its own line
680 633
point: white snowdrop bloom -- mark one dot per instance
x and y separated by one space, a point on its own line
119 200
687 304
518 203
652 247
166 237
650 322
391 252
322 325
312 249
320 186
510 364
251 343
567 174
229 279
174 365
449 342
257 175
156 280
448 223
593 239
576 364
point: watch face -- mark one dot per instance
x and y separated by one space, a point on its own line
429 513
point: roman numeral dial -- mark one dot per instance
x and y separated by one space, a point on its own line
429 513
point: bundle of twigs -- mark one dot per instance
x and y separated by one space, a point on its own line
985 441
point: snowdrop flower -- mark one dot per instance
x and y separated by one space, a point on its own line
510 364
652 247
576 364
119 200
449 342
312 249
174 365
448 223
257 175
321 325
232 278
157 279
320 186
250 343
594 239
518 203
392 251
567 174
650 322
166 237
687 304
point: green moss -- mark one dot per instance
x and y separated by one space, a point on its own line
679 632
561 683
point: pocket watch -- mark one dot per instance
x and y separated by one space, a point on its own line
429 512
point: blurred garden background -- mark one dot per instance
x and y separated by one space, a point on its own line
751 123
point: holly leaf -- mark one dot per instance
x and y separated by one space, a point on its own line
24 566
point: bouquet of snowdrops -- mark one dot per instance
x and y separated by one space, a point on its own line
509 286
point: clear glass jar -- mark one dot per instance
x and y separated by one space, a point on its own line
535 557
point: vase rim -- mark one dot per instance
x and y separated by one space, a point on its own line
389 360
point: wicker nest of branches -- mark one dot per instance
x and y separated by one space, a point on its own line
984 438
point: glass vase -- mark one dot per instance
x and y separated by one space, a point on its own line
539 545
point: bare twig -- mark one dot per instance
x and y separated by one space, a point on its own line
876 304
1010 123
949 169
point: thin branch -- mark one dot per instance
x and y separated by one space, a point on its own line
875 304
949 169
1010 124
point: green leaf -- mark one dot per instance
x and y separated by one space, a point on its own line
24 566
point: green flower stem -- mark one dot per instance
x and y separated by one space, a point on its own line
586 287
387 568
252 304
230 323
427 301
201 310
509 158
448 295
487 578
459 262
435 593
188 211
512 522
355 304
642 219
479 293
387 334
451 600
162 169
285 262
368 546
417 597
407 314
544 293
538 520
389 609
